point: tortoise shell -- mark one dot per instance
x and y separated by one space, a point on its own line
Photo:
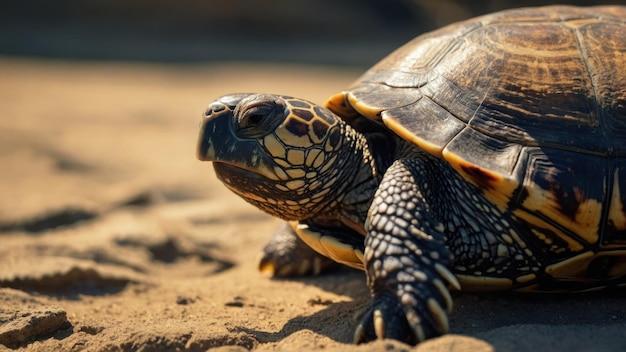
529 106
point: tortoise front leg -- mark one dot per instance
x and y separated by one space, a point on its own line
406 259
287 255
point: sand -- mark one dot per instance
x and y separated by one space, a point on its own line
113 237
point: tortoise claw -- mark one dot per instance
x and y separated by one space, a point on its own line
385 319
390 318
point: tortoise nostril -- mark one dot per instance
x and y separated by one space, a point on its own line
213 108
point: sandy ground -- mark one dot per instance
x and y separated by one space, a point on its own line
114 237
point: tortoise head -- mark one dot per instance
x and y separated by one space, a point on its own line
279 153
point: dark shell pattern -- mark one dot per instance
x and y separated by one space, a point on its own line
529 106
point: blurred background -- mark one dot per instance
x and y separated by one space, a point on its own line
333 32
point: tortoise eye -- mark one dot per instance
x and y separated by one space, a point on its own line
256 117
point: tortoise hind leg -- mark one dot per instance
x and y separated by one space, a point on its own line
406 259
286 255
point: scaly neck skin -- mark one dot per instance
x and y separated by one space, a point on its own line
360 176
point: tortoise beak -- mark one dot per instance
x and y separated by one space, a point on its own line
218 142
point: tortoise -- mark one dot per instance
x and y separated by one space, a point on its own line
487 155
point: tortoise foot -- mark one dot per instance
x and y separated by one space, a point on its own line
390 318
287 256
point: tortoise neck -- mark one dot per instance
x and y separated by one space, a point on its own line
358 177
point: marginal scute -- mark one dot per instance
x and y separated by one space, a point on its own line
484 283
311 238
339 105
371 99
425 124
341 252
568 188
571 267
329 246
489 164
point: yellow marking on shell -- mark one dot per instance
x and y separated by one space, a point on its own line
496 188
339 105
617 209
274 146
484 283
364 109
341 252
329 246
410 136
311 238
586 222
537 222
572 267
